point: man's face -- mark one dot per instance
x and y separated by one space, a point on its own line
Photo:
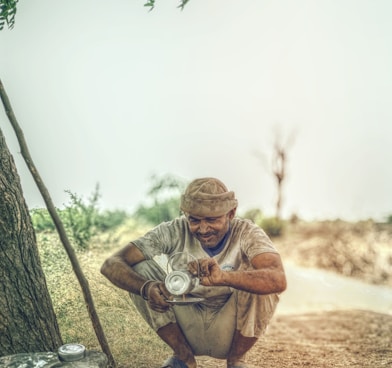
210 230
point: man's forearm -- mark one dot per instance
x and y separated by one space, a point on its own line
122 275
266 281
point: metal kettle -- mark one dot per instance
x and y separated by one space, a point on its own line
179 281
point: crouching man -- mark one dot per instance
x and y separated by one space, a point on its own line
240 276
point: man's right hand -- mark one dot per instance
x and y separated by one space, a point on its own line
157 295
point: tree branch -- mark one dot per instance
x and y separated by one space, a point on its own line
59 226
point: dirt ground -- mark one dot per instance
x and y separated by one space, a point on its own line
320 340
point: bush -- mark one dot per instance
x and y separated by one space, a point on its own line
164 195
165 210
254 214
41 220
272 226
81 219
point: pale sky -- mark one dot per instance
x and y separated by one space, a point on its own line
109 93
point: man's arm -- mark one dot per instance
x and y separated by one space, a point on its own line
267 277
118 269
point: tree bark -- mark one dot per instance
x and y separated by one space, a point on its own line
27 319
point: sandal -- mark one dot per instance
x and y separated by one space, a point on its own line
174 362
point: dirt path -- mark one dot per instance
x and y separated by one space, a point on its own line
320 340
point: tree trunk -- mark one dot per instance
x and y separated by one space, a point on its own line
27 319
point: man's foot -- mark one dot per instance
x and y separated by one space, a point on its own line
239 348
173 336
239 363
174 362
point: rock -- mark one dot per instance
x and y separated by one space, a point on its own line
93 359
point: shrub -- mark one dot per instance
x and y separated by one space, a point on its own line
164 198
41 220
254 214
81 219
110 220
272 226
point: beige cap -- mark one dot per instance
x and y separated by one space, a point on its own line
207 197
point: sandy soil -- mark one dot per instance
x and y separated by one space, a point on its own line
320 340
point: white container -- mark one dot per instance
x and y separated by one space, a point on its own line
71 352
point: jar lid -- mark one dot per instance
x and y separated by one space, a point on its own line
71 352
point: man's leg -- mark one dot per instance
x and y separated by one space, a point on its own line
254 313
165 323
173 336
239 347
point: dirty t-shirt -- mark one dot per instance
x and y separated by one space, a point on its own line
245 241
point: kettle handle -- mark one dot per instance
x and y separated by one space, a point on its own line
187 255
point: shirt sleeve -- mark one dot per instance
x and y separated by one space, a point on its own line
149 244
256 241
162 239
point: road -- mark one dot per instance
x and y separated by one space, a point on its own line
311 290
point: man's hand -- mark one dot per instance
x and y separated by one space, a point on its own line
208 271
266 276
157 295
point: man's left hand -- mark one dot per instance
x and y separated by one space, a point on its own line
208 271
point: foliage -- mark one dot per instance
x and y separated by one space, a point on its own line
159 212
151 4
82 219
109 220
254 214
7 13
389 219
41 220
273 226
164 196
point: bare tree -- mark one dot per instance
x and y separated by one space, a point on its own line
277 165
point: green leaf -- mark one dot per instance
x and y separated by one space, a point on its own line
7 13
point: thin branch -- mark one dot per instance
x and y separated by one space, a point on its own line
59 226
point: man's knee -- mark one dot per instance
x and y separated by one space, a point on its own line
150 269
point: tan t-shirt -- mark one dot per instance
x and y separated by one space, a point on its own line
245 241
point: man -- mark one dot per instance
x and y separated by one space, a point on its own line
240 275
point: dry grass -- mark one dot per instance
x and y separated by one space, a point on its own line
131 341
361 250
